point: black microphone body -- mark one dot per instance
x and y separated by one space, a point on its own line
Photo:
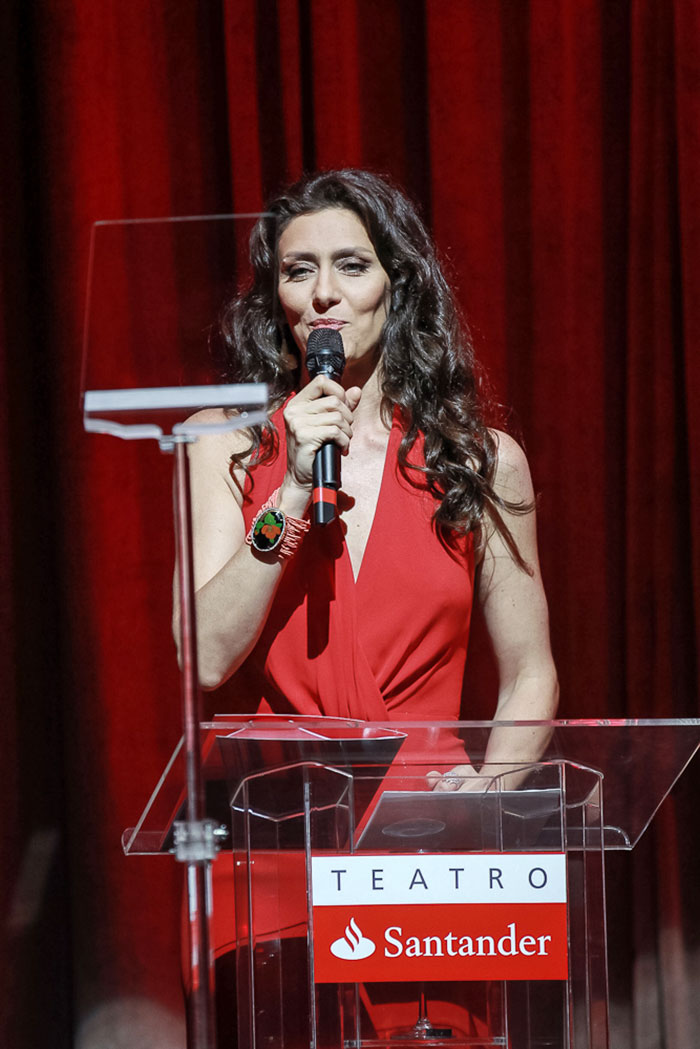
325 356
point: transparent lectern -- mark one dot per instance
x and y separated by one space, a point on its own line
374 911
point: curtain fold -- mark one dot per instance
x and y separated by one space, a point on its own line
553 148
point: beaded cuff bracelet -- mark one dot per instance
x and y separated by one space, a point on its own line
273 531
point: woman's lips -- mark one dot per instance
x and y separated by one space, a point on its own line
327 323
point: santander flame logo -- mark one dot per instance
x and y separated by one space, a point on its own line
353 945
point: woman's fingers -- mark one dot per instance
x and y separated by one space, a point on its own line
440 782
461 778
319 414
352 397
321 386
328 409
318 427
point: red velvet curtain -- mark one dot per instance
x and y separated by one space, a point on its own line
553 148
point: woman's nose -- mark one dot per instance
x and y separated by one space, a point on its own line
326 291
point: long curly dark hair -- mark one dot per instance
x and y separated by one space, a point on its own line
427 360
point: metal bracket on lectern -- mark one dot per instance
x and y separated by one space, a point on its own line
167 442
198 841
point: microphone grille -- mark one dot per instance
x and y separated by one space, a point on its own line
324 353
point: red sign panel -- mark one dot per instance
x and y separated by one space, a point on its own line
497 941
439 917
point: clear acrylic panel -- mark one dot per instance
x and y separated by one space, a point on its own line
152 353
639 760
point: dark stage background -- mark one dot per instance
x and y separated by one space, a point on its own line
553 147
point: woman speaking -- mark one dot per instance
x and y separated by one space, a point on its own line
366 616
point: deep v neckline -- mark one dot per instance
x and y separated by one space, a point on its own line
388 459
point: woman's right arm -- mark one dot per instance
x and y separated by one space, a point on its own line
234 587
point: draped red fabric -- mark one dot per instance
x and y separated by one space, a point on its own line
553 149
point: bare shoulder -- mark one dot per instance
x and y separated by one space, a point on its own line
512 481
515 518
210 455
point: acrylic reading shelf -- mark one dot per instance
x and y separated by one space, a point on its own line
152 350
639 760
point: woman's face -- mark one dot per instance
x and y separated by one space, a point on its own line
330 276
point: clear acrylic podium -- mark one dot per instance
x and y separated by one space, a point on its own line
372 911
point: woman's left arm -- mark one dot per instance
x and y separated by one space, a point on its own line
515 611
514 603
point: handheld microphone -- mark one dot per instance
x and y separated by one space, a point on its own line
325 356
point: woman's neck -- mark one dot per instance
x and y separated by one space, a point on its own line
368 415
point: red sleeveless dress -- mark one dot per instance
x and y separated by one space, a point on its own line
392 643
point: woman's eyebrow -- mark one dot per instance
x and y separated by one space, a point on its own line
298 255
339 254
359 250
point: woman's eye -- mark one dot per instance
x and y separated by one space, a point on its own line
354 266
297 272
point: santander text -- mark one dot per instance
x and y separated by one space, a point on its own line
454 945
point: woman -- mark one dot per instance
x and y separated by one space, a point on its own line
327 629
367 617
